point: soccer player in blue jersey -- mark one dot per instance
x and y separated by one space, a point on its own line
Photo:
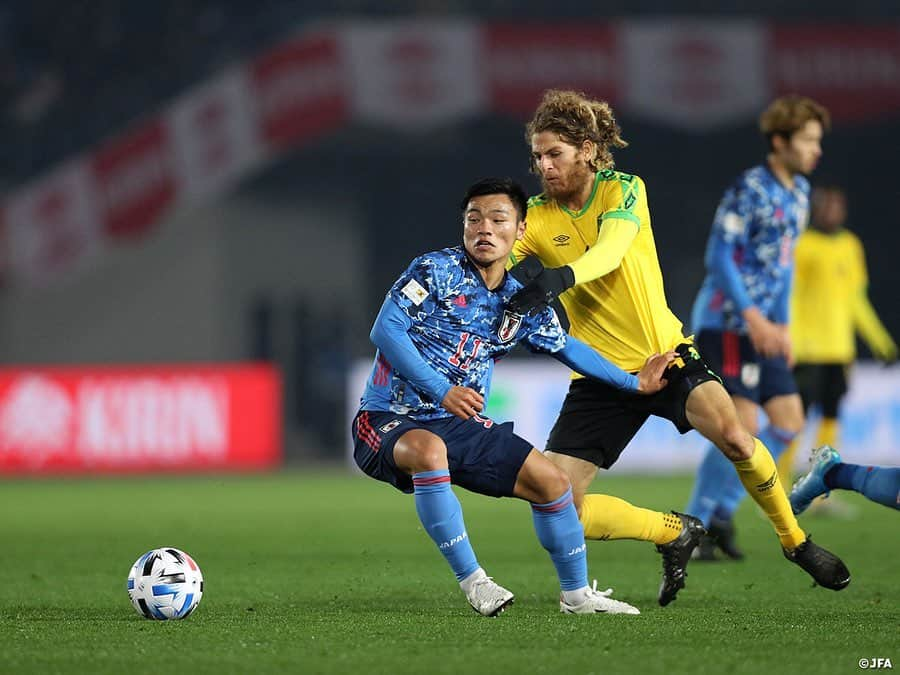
740 315
420 425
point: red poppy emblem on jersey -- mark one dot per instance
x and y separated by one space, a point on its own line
509 325
459 301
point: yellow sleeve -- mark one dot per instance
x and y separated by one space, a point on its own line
872 330
619 227
616 235
865 317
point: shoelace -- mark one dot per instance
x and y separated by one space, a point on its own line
606 594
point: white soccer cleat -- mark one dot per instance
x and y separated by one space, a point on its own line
597 602
487 597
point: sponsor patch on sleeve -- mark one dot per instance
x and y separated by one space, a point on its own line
732 223
414 291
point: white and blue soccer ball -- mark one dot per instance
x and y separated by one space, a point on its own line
164 584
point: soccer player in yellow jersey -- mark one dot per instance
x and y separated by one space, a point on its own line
588 240
829 305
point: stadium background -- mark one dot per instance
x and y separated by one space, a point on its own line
201 206
220 185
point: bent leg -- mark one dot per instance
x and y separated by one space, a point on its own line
880 484
711 411
424 455
555 519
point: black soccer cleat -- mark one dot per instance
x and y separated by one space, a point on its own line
723 533
675 557
823 566
706 550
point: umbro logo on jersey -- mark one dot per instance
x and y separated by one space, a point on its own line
562 239
459 301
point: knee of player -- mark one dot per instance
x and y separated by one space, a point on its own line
416 452
737 442
554 483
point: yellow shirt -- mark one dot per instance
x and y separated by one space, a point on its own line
624 314
828 299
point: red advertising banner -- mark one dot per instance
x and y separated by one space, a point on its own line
852 70
523 60
137 419
135 179
299 90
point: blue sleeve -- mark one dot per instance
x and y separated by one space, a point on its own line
725 272
391 335
781 309
582 359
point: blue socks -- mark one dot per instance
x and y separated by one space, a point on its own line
561 534
879 484
441 515
717 489
714 471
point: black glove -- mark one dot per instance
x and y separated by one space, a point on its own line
542 286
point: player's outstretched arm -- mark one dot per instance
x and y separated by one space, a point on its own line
586 361
391 335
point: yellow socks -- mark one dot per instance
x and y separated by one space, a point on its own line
760 478
604 517
828 432
786 464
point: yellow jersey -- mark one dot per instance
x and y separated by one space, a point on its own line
623 314
828 299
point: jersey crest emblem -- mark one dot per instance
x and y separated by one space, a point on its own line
509 325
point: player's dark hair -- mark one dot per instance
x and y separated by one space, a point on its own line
786 115
498 186
577 119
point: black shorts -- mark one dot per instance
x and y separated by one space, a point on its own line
597 421
483 456
822 384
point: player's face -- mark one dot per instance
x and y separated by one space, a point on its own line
804 148
829 209
491 226
563 167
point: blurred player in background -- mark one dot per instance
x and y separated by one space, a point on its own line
740 315
590 232
829 306
442 326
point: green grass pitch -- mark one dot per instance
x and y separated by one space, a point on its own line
331 573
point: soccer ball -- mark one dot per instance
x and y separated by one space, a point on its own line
165 583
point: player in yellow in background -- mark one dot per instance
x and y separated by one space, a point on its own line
589 241
829 306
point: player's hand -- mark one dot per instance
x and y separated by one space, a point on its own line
886 354
463 402
764 335
787 345
542 286
650 377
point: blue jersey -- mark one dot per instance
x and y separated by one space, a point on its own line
459 328
750 252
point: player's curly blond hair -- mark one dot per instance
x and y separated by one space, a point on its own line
788 114
576 118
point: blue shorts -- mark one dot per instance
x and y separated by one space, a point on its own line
744 372
484 457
